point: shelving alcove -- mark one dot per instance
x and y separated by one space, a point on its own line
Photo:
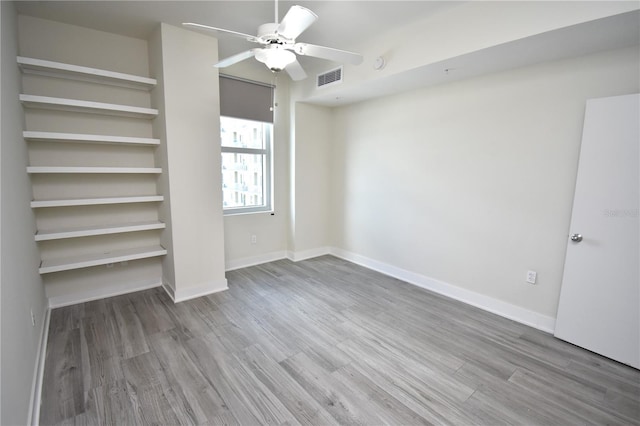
76 73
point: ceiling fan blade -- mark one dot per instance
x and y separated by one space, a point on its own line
295 71
296 20
227 62
247 37
329 53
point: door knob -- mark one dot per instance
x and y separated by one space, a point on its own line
576 238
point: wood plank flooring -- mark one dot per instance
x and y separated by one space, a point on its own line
319 342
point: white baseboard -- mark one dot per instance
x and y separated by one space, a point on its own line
102 293
196 291
255 260
297 256
38 375
487 303
294 256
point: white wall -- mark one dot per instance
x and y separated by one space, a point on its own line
312 139
161 154
192 138
299 228
471 183
21 287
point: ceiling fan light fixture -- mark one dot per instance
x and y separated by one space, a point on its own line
275 57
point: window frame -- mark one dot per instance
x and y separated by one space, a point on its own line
267 180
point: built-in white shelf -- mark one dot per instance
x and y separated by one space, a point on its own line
93 170
86 261
96 201
60 234
69 229
75 105
84 138
76 72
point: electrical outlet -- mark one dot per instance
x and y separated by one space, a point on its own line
531 277
33 318
254 239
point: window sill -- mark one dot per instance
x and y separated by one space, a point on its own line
244 212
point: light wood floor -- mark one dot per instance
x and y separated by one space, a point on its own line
319 342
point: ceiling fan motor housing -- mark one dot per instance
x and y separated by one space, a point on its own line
268 34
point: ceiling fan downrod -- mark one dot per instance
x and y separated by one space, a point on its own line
276 12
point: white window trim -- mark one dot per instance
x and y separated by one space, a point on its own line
268 188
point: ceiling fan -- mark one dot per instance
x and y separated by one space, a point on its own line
278 44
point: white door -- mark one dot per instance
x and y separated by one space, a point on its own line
600 298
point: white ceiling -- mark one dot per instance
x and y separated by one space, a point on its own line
341 24
614 32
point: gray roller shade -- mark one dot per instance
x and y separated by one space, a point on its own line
244 99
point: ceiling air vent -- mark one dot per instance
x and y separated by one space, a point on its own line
329 77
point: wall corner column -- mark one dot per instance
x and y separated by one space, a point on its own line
189 128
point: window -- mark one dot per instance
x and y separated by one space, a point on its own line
246 133
246 165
